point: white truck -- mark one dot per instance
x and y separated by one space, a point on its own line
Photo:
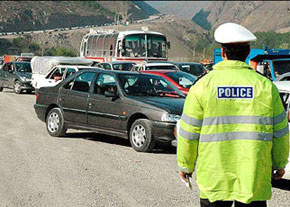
50 70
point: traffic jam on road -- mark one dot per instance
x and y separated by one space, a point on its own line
126 88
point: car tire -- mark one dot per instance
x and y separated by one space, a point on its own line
17 87
28 91
141 137
1 89
55 123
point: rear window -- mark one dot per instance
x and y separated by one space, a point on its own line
161 67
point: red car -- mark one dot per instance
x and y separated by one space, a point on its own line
183 81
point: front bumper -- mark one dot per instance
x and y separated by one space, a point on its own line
40 111
26 86
163 131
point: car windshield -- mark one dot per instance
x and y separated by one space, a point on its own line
23 67
123 66
281 67
183 79
160 67
194 69
148 85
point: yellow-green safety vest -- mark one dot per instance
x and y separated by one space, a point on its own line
233 130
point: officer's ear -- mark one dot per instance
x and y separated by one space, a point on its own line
224 55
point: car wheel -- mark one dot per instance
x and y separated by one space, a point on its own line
55 123
17 87
141 137
1 89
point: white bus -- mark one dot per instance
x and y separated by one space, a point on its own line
124 46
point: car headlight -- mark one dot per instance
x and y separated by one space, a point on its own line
170 117
25 79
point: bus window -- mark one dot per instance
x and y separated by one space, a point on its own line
113 44
107 42
99 48
156 45
134 46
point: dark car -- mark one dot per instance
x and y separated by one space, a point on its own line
16 75
119 103
193 68
116 65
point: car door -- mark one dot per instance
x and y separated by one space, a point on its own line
10 75
73 98
105 112
4 75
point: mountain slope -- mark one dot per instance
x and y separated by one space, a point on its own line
255 15
38 15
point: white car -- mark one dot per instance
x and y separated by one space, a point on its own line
50 70
155 66
56 75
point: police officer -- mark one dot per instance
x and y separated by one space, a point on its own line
233 130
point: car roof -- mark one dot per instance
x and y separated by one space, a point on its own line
188 63
118 62
159 71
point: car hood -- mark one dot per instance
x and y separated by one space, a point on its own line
171 105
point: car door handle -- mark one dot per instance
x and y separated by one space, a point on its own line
90 105
61 99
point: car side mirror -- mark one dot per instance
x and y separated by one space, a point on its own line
168 45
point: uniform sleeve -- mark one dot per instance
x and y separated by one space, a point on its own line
189 131
280 149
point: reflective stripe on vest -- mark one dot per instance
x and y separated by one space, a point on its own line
188 135
281 132
279 118
236 135
190 120
238 120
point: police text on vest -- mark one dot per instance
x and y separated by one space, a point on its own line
235 92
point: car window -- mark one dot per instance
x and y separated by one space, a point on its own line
23 67
161 67
123 66
6 67
57 74
105 82
107 67
81 83
70 71
147 85
186 80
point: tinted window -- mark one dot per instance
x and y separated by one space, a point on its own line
23 67
69 72
185 80
148 85
82 82
105 82
194 69
123 66
161 67
107 66
281 67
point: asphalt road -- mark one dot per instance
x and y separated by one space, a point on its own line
86 169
